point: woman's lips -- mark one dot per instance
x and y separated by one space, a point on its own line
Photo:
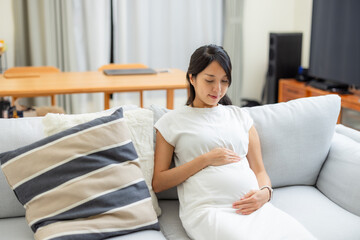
213 97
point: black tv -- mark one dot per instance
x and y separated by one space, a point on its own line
335 44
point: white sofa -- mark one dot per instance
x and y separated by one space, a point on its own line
314 166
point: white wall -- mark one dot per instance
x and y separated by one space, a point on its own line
260 18
7 29
303 12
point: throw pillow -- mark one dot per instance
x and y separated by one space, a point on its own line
82 183
55 122
140 124
295 137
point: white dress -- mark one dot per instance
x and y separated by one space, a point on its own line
206 198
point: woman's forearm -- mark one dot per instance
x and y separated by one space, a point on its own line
169 178
263 179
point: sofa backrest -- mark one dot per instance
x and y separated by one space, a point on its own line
15 133
295 138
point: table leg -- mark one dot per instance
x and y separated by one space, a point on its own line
53 100
141 99
170 98
107 100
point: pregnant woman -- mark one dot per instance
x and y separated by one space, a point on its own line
224 190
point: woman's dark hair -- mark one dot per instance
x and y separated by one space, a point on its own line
200 59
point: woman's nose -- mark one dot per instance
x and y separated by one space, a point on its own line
217 87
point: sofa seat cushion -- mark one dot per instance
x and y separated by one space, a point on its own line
142 235
322 217
170 223
17 228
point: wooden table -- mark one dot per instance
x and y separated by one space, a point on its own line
92 82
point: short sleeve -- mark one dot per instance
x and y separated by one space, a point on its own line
164 126
247 119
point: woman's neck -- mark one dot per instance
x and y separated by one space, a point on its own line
203 106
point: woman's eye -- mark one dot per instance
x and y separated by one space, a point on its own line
209 81
225 81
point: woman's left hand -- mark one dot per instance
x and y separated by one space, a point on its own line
251 201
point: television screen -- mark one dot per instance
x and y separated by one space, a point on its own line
335 41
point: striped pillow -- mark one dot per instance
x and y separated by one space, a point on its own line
82 183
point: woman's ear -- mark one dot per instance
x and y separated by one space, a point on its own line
192 78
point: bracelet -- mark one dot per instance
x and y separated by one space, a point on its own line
270 191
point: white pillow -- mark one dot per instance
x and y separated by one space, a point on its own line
55 122
295 137
140 123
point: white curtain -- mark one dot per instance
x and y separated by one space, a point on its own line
233 43
74 35
163 34
70 35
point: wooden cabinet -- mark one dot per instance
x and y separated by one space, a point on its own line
290 89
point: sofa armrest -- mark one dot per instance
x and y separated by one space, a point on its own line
339 178
349 132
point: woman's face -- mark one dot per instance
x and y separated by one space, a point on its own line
210 85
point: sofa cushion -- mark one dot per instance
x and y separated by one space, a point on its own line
15 133
322 217
140 123
84 181
339 178
295 137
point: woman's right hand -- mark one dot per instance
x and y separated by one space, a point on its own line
221 156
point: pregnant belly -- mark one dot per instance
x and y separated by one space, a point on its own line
222 184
